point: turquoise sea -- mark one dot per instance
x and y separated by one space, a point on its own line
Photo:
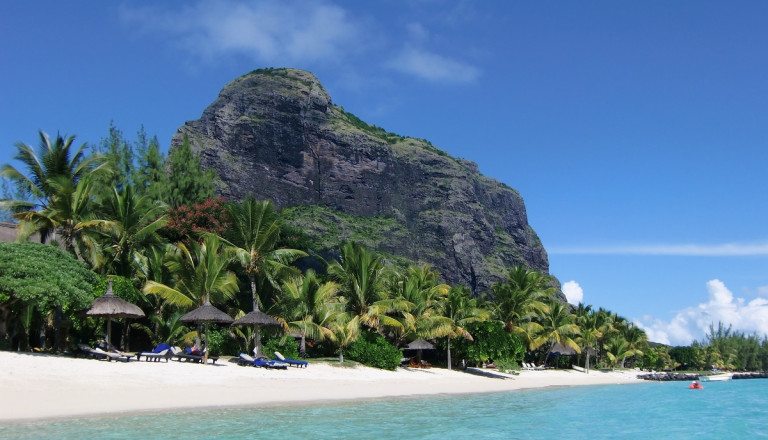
732 410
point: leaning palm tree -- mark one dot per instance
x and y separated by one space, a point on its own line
200 275
255 234
306 304
557 326
361 275
519 299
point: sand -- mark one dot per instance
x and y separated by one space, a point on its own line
39 386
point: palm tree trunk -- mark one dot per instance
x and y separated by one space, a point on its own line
253 292
198 337
341 355
449 353
257 346
586 364
303 346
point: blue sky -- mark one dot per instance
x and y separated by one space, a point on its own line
635 131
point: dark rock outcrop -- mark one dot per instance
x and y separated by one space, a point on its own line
276 134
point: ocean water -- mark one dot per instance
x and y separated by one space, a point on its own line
731 410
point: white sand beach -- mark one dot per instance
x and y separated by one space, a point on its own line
39 386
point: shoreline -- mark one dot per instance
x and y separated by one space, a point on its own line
42 387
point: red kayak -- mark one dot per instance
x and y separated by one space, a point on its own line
695 385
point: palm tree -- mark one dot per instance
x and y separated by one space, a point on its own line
128 225
604 321
461 309
200 275
54 166
419 298
557 326
616 347
636 341
361 275
256 231
68 213
589 332
344 330
307 304
520 298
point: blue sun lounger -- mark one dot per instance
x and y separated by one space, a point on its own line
269 363
295 363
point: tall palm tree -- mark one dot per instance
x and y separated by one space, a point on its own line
557 326
307 304
255 234
604 321
200 274
361 276
521 298
461 309
589 332
128 226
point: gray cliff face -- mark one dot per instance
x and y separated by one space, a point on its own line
275 133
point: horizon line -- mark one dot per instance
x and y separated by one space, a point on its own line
687 250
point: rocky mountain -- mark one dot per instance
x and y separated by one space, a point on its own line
275 133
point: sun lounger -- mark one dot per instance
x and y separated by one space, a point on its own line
153 357
269 363
89 352
245 360
289 361
125 357
181 356
162 351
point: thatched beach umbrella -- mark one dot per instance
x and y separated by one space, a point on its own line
257 318
203 315
111 306
559 349
419 345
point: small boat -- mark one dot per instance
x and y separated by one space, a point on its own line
720 377
695 385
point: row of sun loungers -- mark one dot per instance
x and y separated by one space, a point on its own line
165 352
161 352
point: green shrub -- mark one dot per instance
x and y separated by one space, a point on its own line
491 343
373 350
505 365
288 348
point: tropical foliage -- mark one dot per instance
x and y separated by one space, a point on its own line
170 246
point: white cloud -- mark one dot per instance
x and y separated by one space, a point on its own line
268 31
573 292
433 67
693 322
696 250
